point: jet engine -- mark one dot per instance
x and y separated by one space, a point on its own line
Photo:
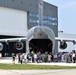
19 45
63 45
1 46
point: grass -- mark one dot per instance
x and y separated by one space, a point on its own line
32 67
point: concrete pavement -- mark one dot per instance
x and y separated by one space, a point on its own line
9 61
38 72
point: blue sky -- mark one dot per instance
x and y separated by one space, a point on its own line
66 14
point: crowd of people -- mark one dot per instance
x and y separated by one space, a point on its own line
39 57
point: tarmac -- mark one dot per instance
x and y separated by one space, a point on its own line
9 61
38 72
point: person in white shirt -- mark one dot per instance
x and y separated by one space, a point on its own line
73 57
0 55
35 57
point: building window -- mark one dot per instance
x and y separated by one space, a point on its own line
54 19
54 23
47 20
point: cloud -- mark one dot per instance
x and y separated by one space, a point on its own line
71 4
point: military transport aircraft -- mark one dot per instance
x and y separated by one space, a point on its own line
38 34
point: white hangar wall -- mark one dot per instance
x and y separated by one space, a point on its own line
70 45
13 22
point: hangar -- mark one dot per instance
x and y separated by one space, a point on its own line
18 16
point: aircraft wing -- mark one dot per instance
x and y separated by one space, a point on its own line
12 39
65 39
19 44
63 44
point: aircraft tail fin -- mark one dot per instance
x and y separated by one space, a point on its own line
40 11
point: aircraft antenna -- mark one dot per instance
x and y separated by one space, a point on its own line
40 12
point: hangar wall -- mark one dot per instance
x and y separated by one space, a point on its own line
13 22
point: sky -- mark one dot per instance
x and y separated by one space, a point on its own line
66 15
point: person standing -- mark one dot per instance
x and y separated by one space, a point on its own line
21 58
73 56
13 58
32 55
49 57
35 57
